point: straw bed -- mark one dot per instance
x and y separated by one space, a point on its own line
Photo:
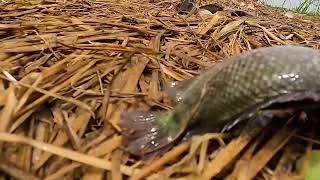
69 68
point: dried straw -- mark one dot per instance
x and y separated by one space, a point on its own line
70 68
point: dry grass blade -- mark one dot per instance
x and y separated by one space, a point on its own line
157 164
267 32
57 88
105 103
50 94
72 155
62 171
259 160
70 68
215 20
12 170
61 138
94 173
225 156
106 147
232 26
115 169
7 112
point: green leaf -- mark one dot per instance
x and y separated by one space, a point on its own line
313 171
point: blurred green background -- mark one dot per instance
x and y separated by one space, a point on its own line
311 7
